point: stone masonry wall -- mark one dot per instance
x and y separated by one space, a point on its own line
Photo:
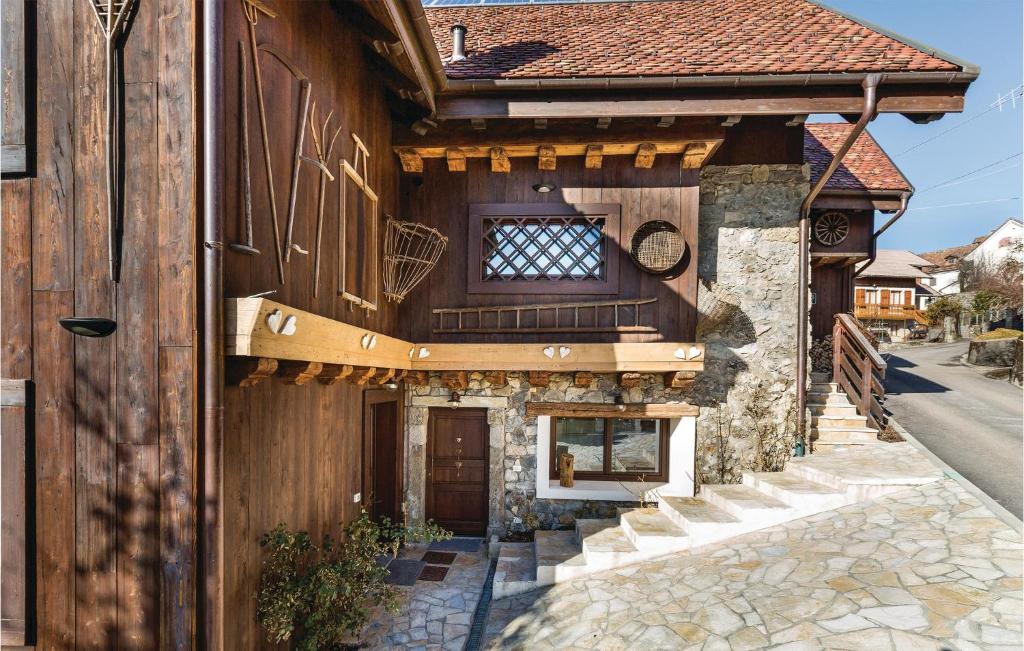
747 258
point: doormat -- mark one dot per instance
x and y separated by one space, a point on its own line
438 558
403 571
433 573
457 545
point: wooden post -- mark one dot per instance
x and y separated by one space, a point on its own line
865 392
565 470
837 350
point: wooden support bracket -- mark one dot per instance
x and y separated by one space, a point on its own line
456 160
546 158
732 120
679 379
478 124
645 155
582 378
362 374
411 161
499 160
299 373
694 156
539 378
455 380
628 380
249 371
417 378
383 376
334 373
594 157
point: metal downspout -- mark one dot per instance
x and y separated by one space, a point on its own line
904 198
211 540
870 85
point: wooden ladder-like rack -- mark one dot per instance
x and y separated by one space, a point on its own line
546 318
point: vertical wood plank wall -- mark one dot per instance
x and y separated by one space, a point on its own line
664 192
115 417
292 454
833 290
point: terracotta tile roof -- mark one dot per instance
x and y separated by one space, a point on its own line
941 257
865 167
673 37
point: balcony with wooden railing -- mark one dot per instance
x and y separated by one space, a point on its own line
858 369
891 312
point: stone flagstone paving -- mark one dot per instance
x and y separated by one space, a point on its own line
926 568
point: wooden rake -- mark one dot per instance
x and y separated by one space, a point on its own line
323 148
112 18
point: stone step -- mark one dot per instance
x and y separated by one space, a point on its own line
650 530
806 495
847 409
559 557
589 526
607 547
828 399
847 435
701 520
820 376
824 387
826 420
746 503
516 571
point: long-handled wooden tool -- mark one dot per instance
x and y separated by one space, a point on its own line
253 8
111 16
323 153
246 247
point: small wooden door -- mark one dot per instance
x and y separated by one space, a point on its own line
457 469
382 454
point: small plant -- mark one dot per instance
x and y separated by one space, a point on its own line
641 493
773 442
724 435
320 597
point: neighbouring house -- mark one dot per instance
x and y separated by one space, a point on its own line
367 255
985 251
892 293
945 267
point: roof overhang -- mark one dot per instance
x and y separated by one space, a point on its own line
881 200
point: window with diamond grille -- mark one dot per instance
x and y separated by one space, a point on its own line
540 248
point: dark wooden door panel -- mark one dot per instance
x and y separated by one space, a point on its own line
382 455
457 470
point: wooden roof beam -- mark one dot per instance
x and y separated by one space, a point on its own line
645 155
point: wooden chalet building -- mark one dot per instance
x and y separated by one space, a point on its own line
892 293
628 201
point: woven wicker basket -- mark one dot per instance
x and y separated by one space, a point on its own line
657 246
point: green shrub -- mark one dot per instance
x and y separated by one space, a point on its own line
321 596
942 307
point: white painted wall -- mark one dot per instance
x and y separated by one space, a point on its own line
999 244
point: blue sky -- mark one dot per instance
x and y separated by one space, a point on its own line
986 33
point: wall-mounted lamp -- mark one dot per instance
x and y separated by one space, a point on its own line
391 386
89 326
544 187
620 402
454 401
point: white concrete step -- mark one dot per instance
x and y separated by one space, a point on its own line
746 503
824 387
650 530
701 520
847 435
828 399
803 494
559 557
607 547
848 420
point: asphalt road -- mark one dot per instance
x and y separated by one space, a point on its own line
971 422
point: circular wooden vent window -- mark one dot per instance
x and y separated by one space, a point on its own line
831 228
657 246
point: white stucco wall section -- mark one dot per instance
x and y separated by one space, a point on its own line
682 447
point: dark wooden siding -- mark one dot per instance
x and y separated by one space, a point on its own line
858 240
292 454
114 418
833 291
442 198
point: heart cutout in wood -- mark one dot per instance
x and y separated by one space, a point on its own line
549 352
364 341
289 325
563 351
424 353
679 353
373 342
412 352
274 321
694 352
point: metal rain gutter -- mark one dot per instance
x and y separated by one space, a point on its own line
870 85
904 198
211 441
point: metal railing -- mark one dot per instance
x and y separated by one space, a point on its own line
858 369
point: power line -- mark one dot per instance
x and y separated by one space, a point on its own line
983 176
966 203
985 167
992 107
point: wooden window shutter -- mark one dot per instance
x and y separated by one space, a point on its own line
908 297
884 297
861 296
17 501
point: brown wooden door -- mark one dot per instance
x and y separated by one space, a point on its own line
382 454
457 468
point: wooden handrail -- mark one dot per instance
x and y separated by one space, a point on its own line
857 369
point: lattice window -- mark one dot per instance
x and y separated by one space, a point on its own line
539 248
